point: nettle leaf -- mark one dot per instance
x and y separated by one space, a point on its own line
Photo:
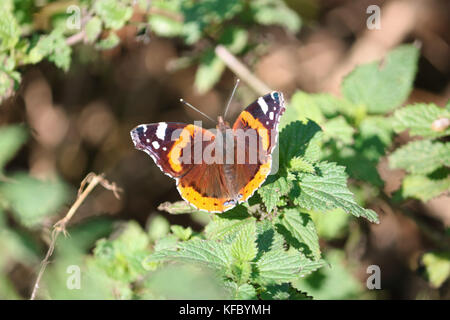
308 266
298 139
377 131
273 189
164 25
437 267
299 231
55 48
332 224
121 258
113 13
418 119
9 30
268 238
180 232
283 291
328 190
383 87
241 292
423 187
11 140
300 164
93 29
243 247
302 107
421 157
222 227
277 266
234 39
339 129
270 12
212 254
31 200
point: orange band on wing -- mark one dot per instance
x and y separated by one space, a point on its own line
203 203
258 126
256 181
175 153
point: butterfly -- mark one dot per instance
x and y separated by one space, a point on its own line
216 169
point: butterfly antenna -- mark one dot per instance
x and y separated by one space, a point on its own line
191 106
231 97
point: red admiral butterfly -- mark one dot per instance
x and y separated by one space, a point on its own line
216 186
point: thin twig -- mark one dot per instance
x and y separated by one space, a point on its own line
91 180
241 70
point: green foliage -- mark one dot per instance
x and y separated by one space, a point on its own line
381 88
11 139
437 267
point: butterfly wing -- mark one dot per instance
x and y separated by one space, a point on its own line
262 117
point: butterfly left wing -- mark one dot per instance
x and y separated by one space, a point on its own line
263 117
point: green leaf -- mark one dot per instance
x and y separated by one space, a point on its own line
243 248
335 282
332 224
220 228
273 189
11 140
113 13
299 230
178 207
164 25
109 42
93 29
234 39
302 107
424 188
242 292
9 30
384 87
277 266
421 157
418 119
328 190
209 71
55 48
122 258
181 233
32 200
298 139
158 227
210 253
270 12
437 267
339 129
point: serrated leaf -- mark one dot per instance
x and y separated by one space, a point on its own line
273 189
210 253
54 47
31 200
242 292
421 157
243 248
384 87
424 188
220 228
299 230
268 238
437 267
298 139
302 107
283 292
209 71
113 13
11 140
277 266
418 120
93 29
328 190
299 164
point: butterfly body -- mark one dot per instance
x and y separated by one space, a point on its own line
215 171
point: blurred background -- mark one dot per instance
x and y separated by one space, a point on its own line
79 122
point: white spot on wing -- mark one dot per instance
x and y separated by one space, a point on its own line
164 148
271 115
263 105
161 130
155 145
